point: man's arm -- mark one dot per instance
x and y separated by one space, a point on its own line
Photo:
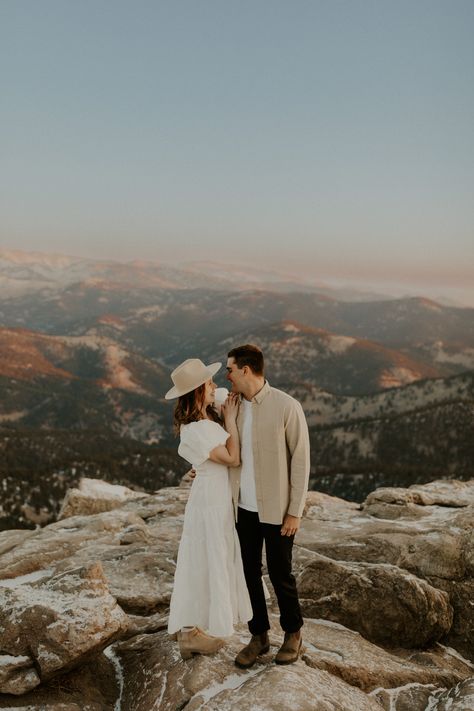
297 439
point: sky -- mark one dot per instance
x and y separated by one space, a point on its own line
332 138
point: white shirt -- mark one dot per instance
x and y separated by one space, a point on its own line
247 496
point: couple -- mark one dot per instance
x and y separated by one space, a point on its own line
252 467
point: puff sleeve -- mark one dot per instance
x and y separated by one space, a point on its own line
198 439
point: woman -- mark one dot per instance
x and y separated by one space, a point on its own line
209 585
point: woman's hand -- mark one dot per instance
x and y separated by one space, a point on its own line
230 408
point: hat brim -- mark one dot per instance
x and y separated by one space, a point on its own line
177 392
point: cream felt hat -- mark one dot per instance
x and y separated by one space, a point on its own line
189 376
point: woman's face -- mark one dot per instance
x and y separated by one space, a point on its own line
209 390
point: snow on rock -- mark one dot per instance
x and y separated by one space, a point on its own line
463 357
57 625
24 579
93 496
13 416
157 678
339 344
119 375
395 377
291 328
357 661
17 674
399 558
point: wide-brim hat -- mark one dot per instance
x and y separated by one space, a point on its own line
190 375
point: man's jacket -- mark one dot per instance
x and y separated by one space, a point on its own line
280 453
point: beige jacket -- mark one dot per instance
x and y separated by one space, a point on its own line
280 454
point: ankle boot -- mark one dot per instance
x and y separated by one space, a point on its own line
195 641
247 656
290 649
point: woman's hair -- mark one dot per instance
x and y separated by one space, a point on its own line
188 409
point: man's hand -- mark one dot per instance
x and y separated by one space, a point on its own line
190 475
290 525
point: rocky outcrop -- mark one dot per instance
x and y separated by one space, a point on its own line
386 590
432 541
50 627
153 669
385 604
94 496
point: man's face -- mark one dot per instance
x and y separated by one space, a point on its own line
235 375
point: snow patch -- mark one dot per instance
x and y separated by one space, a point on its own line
13 416
112 657
7 659
340 344
395 377
99 489
464 358
232 681
119 376
29 578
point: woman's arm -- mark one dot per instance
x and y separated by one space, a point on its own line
229 453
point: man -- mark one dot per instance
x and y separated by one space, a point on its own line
268 490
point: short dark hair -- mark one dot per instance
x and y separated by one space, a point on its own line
248 355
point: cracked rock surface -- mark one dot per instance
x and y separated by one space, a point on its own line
386 589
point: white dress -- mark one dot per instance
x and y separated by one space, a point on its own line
209 585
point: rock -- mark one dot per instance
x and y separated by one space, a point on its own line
413 697
94 496
140 624
138 556
51 706
402 561
62 539
57 625
418 697
156 677
10 539
460 698
382 602
92 687
436 543
139 577
325 507
168 502
452 493
347 654
135 533
461 595
289 687
430 547
16 674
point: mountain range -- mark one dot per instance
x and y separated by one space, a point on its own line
87 347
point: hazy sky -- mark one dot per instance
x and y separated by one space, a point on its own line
334 136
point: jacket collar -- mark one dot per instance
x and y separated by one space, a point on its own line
261 393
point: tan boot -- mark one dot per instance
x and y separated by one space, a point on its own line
195 641
290 649
247 656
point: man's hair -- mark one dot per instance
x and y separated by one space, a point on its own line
248 355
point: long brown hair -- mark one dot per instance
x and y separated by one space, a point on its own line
188 409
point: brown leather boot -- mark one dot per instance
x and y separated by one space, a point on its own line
290 649
195 641
247 656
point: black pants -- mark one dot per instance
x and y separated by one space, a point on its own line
279 549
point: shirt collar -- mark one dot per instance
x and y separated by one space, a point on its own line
261 393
